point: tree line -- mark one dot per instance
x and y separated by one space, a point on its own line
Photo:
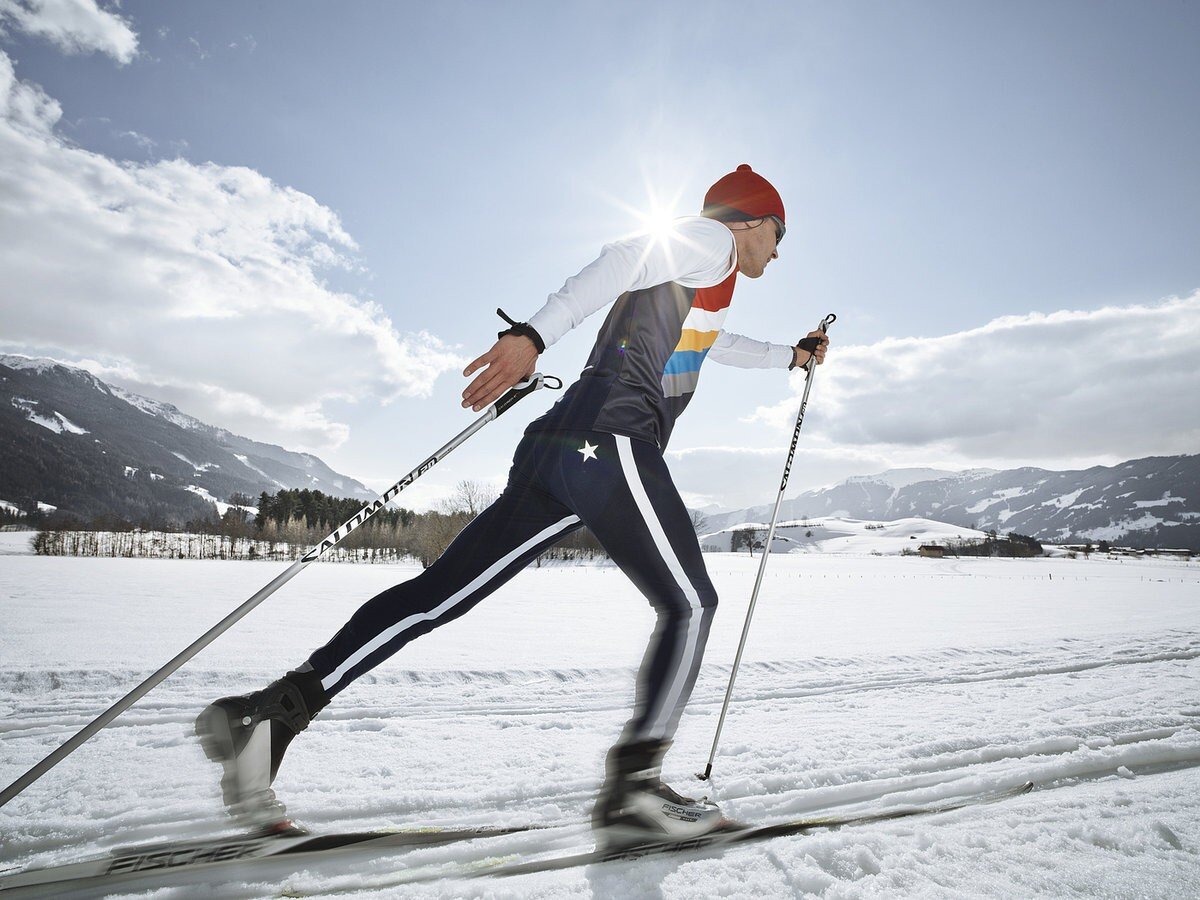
1019 546
284 525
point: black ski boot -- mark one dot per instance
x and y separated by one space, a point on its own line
248 736
635 807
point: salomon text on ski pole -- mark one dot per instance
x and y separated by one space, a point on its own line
532 383
811 367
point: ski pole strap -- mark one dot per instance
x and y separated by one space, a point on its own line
521 328
534 382
810 344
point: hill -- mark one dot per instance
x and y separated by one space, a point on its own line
1150 502
72 443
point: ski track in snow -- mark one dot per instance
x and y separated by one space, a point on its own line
867 683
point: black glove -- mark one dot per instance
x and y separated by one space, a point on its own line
808 345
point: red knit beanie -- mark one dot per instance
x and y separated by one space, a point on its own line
741 196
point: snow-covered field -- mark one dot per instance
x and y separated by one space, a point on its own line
868 682
839 534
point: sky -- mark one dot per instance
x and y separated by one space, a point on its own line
296 220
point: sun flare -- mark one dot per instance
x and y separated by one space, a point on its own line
658 221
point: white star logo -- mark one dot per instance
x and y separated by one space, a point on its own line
588 450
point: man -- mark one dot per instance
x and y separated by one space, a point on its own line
595 459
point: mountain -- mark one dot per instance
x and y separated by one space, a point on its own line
1151 502
70 441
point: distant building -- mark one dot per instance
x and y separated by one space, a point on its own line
933 551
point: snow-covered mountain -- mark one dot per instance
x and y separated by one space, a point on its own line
71 441
837 534
1151 502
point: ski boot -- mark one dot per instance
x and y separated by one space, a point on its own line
635 807
248 735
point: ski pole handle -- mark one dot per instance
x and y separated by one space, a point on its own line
534 382
824 329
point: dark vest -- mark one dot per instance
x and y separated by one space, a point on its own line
646 363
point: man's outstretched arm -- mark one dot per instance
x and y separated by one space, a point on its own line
698 253
746 353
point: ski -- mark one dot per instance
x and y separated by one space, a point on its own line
742 834
127 863
512 864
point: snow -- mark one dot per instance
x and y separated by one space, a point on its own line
199 467
221 505
868 682
1166 499
1119 530
982 505
997 497
1066 500
16 543
37 419
842 535
69 426
898 478
58 424
245 461
1009 493
40 365
155 408
11 508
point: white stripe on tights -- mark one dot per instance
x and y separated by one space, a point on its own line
658 723
480 580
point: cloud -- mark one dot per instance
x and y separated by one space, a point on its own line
202 284
142 142
74 26
1120 382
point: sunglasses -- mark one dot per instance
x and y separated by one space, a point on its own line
780 229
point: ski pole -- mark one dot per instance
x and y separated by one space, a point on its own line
762 563
533 383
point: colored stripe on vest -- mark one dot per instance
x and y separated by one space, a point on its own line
716 297
678 385
691 339
684 361
702 320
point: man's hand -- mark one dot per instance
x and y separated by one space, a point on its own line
800 357
510 360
